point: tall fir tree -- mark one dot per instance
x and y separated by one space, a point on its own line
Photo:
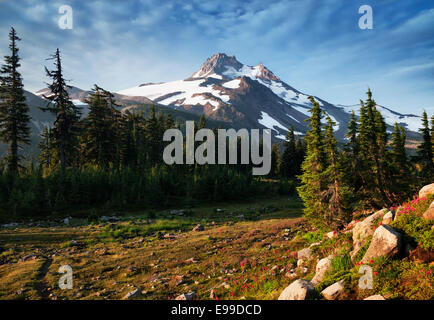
351 155
399 156
313 181
100 128
424 150
372 142
153 137
399 170
275 161
45 148
300 153
289 156
67 115
14 112
336 193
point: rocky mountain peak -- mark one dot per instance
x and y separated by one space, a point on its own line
217 64
264 73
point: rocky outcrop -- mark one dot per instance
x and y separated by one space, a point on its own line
322 267
362 230
385 242
298 290
334 291
426 190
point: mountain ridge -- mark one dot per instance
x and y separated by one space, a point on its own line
252 96
241 96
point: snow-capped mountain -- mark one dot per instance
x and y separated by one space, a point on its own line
252 97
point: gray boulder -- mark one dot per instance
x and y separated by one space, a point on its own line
132 294
426 190
386 242
334 291
387 218
322 267
362 230
298 290
304 254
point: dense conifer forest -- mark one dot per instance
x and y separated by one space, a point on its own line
113 160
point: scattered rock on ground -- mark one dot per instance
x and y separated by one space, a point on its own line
212 294
315 244
199 227
331 234
334 291
426 190
386 242
191 261
387 218
429 214
132 294
375 297
298 290
362 230
321 269
28 257
304 254
186 296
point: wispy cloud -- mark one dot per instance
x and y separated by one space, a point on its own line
316 46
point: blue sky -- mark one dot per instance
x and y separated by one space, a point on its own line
314 46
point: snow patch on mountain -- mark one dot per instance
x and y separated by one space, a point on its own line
78 102
269 122
293 118
233 84
188 92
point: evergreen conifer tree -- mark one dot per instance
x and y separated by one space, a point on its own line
66 113
424 151
289 156
275 161
336 193
14 112
313 181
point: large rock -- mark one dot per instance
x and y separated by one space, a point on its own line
429 214
132 294
322 267
362 230
304 254
426 190
375 297
298 290
386 242
387 218
334 291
